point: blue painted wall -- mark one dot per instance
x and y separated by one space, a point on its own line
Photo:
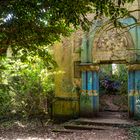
89 103
131 90
89 98
134 93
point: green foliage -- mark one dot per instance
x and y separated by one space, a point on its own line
26 87
135 131
5 100
120 77
27 25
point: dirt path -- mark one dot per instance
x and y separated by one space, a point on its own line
45 134
34 131
114 102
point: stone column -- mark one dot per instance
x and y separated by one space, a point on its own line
134 90
89 97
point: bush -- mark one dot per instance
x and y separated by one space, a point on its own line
5 100
114 83
27 87
135 132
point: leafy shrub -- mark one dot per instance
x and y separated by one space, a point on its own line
5 100
29 85
117 82
135 131
110 85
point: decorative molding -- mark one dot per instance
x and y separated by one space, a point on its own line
66 98
77 72
89 68
133 67
89 93
112 44
133 93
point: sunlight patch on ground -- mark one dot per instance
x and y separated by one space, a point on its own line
20 124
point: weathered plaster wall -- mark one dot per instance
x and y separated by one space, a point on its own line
66 96
67 80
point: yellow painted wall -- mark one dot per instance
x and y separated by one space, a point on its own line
66 101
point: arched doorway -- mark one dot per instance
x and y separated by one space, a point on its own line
106 44
113 88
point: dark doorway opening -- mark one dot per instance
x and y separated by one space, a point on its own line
113 91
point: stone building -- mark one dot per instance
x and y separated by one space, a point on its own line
79 57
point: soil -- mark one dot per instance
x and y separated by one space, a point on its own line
19 130
35 130
114 102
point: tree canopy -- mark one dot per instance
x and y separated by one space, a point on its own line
30 24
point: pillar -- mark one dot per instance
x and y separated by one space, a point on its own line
134 90
89 97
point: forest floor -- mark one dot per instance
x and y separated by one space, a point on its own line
35 130
31 131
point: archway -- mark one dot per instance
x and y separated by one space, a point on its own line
106 44
113 79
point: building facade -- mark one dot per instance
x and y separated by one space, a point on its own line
79 57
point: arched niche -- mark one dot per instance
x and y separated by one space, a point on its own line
113 45
106 44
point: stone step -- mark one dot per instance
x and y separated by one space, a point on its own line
111 114
71 128
115 122
85 127
63 130
105 121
